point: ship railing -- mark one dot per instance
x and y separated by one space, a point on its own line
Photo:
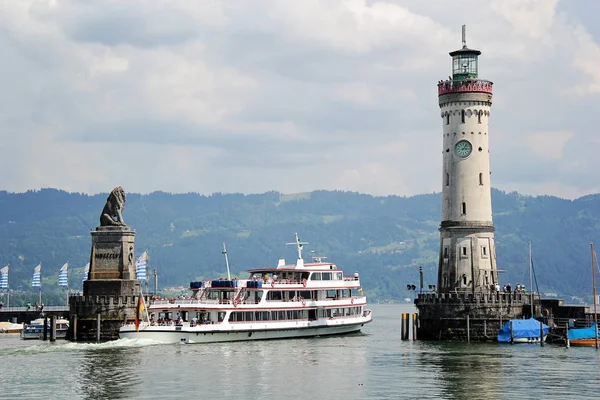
468 85
184 301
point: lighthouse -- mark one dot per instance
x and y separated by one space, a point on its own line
467 256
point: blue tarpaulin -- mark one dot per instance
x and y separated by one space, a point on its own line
583 333
522 328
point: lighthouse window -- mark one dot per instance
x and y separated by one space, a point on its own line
464 251
462 116
480 179
445 251
484 251
464 279
479 117
447 179
447 119
464 208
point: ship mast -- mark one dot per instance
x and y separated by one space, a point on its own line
594 285
226 261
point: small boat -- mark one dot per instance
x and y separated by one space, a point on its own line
583 336
35 329
285 301
587 336
9 327
523 331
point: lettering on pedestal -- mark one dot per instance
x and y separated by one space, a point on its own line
108 258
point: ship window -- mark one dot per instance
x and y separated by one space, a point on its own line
464 208
337 276
275 295
281 315
305 294
462 116
316 276
221 316
326 276
330 294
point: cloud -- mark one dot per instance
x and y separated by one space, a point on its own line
250 96
549 145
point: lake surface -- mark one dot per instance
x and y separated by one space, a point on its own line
373 365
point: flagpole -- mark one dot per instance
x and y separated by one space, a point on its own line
147 262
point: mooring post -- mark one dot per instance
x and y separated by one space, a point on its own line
404 327
567 334
485 328
74 338
511 333
541 334
53 328
468 330
415 325
98 327
45 334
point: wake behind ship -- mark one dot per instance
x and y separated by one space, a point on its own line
286 301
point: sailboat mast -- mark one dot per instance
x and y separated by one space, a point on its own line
226 261
594 285
531 278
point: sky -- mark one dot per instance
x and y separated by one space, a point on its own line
257 95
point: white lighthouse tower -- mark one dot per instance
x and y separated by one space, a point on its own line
467 260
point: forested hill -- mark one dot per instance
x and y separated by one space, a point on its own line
385 239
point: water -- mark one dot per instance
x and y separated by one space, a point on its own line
371 365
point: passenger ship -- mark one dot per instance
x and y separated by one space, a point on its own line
286 301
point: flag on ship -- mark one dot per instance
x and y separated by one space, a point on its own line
141 266
63 275
37 276
138 312
4 278
86 272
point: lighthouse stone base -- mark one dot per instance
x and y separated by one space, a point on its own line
468 316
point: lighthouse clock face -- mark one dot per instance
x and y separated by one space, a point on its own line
463 148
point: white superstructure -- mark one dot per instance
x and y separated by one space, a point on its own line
286 301
467 260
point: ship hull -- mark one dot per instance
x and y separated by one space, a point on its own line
233 333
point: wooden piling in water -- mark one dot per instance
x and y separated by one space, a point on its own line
74 338
415 325
541 334
468 330
45 330
404 327
98 327
53 328
511 333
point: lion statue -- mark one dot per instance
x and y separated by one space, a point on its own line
112 214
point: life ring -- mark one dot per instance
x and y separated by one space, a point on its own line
304 282
303 303
352 300
235 303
